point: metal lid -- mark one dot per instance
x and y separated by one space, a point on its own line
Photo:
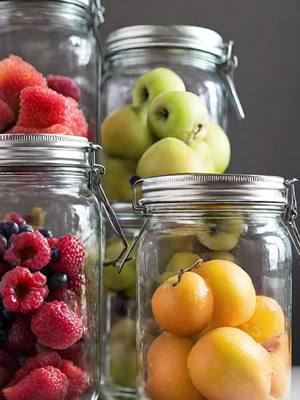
177 36
210 189
44 150
127 216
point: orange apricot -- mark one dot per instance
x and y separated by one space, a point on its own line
183 305
227 364
267 321
167 372
233 291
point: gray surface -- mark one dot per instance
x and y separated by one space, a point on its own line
267 35
295 395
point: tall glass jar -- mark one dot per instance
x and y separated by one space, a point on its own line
215 286
57 38
118 317
204 64
51 240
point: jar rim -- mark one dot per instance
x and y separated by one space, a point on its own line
235 189
173 36
45 150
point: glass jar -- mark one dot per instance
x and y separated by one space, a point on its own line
118 317
215 286
51 242
205 64
57 38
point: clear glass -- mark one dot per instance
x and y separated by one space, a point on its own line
57 38
120 74
118 321
59 200
237 345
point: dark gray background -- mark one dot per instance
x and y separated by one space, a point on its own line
267 38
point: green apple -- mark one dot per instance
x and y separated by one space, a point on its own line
219 145
177 114
168 156
124 331
116 178
123 365
153 83
221 235
177 262
115 281
131 292
204 153
125 134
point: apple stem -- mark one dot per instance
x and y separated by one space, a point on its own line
197 130
196 264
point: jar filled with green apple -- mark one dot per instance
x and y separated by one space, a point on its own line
118 316
166 97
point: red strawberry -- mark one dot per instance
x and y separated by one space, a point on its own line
46 383
45 359
56 326
64 85
7 116
78 380
16 74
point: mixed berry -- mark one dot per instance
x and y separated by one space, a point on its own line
41 324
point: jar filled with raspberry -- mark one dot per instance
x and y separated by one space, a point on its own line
50 250
53 46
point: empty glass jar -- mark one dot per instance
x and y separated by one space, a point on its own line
118 317
214 287
57 38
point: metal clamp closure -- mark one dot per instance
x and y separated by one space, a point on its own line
95 173
292 213
226 70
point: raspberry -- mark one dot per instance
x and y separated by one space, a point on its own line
75 353
42 108
68 297
29 249
16 74
6 116
52 241
4 267
75 118
21 340
15 217
77 283
78 380
45 359
53 129
8 367
47 383
64 85
23 291
71 256
56 326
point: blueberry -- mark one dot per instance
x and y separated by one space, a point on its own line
47 272
3 244
55 254
8 229
26 228
134 179
46 233
58 281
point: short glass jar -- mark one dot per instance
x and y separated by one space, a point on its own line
51 240
215 287
57 38
203 61
118 316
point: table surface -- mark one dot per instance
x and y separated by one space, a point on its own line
295 395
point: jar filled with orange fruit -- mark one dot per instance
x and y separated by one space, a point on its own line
214 287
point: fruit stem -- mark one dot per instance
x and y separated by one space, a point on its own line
182 271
